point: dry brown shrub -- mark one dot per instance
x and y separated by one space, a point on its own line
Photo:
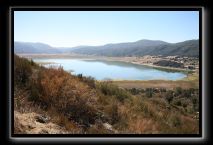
143 125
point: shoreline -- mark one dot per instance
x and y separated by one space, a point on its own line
151 65
190 81
87 57
130 60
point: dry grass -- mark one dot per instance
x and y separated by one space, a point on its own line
143 126
157 84
80 107
63 121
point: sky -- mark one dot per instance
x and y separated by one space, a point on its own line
74 28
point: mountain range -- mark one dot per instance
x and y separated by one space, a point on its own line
138 48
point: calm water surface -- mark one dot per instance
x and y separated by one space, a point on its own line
102 70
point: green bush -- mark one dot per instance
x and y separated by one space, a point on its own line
134 91
178 91
169 96
162 90
149 92
32 63
80 76
112 90
195 103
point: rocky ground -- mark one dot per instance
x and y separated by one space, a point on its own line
33 123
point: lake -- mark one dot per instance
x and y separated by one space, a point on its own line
102 70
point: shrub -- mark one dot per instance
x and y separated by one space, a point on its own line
80 76
194 100
178 103
134 91
169 96
184 104
176 121
112 90
22 71
144 107
32 63
192 90
112 113
34 92
90 81
149 92
162 90
51 81
98 129
80 113
195 103
178 91
186 93
58 89
122 95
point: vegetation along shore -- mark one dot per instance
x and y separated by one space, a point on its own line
75 104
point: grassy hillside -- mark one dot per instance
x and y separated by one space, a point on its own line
83 105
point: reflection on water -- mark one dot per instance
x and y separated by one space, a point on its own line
102 70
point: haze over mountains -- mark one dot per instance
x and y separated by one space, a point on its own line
29 47
138 48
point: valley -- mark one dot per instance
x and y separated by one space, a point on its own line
84 93
75 104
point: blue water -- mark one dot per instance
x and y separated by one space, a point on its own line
102 70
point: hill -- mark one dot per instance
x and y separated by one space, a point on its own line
48 100
144 47
29 47
138 48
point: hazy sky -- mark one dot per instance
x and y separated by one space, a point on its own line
73 28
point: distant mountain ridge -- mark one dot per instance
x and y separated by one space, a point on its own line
138 48
34 47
